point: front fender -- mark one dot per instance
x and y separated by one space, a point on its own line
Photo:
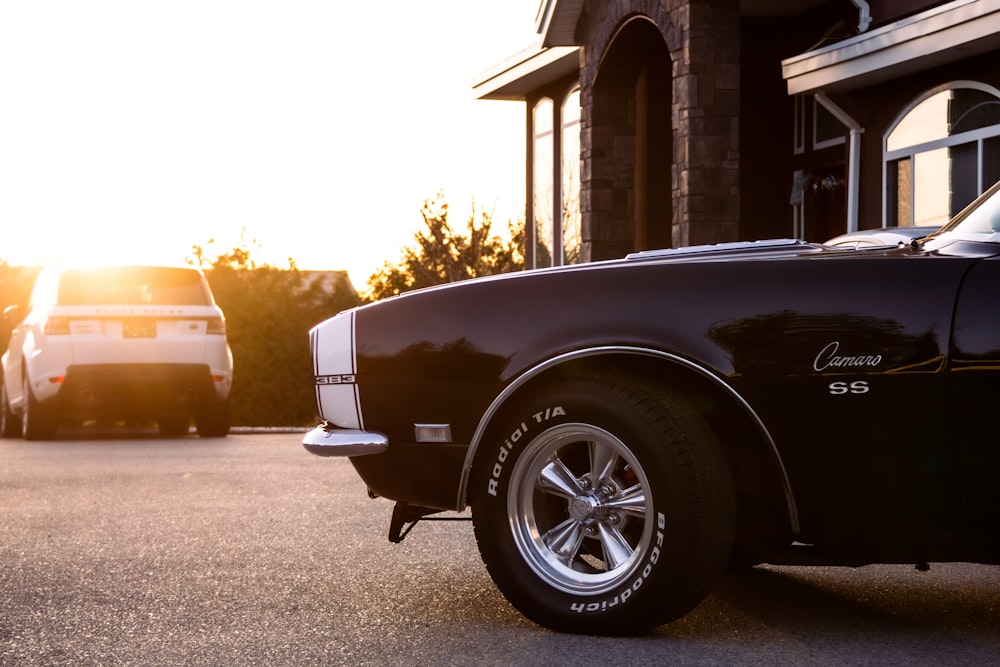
517 385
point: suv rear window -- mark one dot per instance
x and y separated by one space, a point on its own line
132 285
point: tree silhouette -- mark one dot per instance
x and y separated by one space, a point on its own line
269 312
441 254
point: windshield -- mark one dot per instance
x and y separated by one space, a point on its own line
132 285
981 219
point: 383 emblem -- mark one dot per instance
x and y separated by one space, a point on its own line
344 378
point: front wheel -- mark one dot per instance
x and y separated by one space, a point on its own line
603 507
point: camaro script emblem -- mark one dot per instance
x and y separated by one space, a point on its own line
829 357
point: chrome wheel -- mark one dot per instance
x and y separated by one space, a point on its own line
578 509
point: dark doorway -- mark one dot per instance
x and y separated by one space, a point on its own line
632 145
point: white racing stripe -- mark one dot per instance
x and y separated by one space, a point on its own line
335 366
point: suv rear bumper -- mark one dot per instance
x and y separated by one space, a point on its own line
136 390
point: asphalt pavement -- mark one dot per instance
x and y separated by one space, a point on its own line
127 549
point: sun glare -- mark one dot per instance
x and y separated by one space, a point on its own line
265 125
83 245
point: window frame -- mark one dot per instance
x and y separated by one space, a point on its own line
549 185
910 152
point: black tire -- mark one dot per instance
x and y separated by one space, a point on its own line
37 422
627 482
10 423
215 421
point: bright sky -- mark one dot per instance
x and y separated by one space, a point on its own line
131 130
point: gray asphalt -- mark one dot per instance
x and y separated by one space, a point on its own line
131 550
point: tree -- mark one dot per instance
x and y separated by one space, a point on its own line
269 312
442 255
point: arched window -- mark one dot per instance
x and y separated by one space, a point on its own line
542 177
571 216
941 153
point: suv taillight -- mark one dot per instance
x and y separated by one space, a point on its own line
216 325
56 326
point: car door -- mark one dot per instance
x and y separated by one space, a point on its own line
975 382
846 365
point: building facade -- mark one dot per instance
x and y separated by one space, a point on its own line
665 123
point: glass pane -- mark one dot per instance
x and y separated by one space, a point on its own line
828 128
928 121
543 117
139 285
991 161
972 109
964 176
900 193
571 217
931 194
542 172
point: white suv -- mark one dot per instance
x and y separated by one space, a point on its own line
124 342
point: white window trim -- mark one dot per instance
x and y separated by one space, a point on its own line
799 125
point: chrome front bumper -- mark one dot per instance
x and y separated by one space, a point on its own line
328 440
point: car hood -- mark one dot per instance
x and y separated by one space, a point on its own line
729 251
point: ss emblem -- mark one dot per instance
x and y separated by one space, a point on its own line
856 387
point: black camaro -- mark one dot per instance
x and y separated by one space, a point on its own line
625 430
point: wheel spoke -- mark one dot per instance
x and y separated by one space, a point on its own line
565 539
617 550
602 462
632 501
556 478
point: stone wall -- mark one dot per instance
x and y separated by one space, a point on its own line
700 38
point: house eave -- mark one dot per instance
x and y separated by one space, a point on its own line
947 33
556 21
527 71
